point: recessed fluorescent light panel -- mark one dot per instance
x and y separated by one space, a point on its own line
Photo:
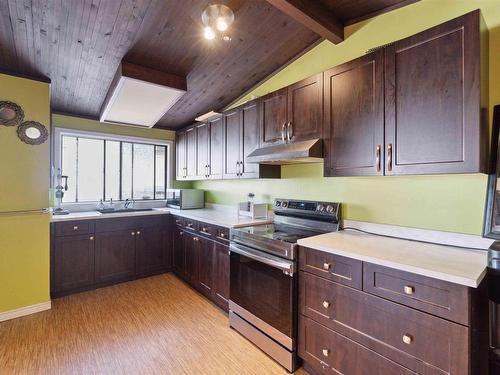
140 102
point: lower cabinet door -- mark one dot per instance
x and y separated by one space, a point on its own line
221 275
206 266
192 247
73 263
150 251
328 352
179 253
115 256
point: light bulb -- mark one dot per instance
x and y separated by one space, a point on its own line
208 33
221 24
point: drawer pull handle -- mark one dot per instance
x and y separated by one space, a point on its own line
407 339
91 238
326 304
132 234
204 229
195 239
190 225
222 235
138 233
326 352
327 266
75 227
181 233
409 289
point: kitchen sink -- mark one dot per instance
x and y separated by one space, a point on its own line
120 210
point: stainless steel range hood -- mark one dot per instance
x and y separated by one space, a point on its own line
290 153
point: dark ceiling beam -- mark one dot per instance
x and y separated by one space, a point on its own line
313 15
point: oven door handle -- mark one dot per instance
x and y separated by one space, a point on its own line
287 267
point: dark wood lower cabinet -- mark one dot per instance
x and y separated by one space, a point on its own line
73 262
221 275
379 320
110 251
201 258
115 256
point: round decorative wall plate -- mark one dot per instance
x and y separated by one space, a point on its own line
10 114
32 133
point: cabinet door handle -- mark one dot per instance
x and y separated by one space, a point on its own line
138 233
283 127
377 157
389 157
132 234
181 233
241 168
408 289
326 304
407 339
289 131
196 239
326 352
75 227
91 238
327 266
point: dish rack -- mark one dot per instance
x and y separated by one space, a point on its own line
253 210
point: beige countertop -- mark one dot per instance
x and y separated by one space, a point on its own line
457 265
223 217
226 217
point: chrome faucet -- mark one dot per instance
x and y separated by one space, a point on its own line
128 203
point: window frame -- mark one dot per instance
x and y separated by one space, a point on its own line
57 152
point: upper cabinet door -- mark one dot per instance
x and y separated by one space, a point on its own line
232 144
433 100
216 149
305 109
273 117
354 117
191 154
202 149
250 135
180 155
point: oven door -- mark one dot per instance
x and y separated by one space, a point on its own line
262 291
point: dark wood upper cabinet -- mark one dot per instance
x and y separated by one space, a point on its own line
249 138
232 142
273 117
191 153
305 109
435 94
354 117
73 262
180 155
216 149
115 256
202 149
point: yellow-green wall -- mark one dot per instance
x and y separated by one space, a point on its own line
449 203
24 185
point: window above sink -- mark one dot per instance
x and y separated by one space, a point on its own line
108 167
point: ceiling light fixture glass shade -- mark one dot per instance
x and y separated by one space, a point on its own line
217 18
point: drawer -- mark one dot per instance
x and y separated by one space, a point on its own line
413 339
191 224
179 221
343 270
207 229
436 297
74 228
326 350
222 234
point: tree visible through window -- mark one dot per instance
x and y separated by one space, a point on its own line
109 169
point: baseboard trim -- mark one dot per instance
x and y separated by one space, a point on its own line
23 311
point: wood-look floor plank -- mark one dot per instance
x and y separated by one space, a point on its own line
156 325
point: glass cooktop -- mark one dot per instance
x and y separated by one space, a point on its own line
278 232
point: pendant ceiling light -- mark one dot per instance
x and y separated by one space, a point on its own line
217 19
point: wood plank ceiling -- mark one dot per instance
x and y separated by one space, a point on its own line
78 44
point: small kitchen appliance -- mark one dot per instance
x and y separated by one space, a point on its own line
263 275
185 199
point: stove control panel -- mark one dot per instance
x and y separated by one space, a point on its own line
309 207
